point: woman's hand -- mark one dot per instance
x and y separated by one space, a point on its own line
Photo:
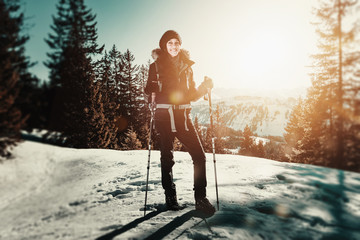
202 89
207 83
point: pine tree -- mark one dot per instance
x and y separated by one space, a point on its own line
143 111
13 62
219 130
260 150
351 72
340 45
309 132
247 146
327 121
110 106
275 151
208 140
321 131
294 131
131 141
116 69
78 104
115 59
130 89
57 42
30 101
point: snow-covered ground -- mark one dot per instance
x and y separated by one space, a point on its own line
49 192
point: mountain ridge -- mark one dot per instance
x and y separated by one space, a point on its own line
265 115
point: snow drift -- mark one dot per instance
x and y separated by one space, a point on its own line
50 192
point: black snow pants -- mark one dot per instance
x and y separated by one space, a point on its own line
188 136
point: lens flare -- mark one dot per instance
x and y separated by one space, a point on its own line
176 97
282 210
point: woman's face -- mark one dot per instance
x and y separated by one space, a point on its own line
173 47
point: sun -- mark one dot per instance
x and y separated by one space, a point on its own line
266 52
264 55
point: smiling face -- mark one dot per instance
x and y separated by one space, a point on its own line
173 47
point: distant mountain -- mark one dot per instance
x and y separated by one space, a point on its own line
265 114
278 93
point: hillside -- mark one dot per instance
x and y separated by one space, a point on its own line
49 192
264 115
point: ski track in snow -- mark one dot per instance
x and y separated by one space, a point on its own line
50 192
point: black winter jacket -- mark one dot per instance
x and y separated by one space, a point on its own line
177 84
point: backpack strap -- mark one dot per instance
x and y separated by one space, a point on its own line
157 77
157 71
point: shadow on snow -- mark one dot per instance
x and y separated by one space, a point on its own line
282 216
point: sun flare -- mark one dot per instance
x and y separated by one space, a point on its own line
265 53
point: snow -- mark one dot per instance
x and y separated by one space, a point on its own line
49 192
257 140
265 115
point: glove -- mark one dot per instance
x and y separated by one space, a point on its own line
204 87
207 83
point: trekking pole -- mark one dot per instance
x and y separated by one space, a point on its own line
213 147
152 110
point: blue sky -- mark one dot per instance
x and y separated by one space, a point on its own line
239 43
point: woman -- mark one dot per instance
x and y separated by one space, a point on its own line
171 79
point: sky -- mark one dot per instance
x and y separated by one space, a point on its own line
258 44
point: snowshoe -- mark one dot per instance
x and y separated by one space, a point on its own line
204 206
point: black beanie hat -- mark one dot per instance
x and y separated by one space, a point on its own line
168 35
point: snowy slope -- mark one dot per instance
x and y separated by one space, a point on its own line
264 115
50 192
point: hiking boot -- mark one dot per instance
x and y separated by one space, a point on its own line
203 205
172 203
